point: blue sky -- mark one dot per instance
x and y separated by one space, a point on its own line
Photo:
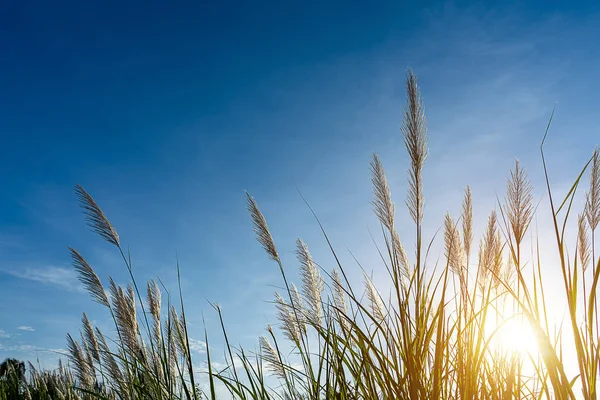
167 112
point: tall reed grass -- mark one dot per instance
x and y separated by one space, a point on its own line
436 335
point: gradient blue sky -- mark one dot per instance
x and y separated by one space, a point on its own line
166 112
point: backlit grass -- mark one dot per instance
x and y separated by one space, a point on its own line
474 324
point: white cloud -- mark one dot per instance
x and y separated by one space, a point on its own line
198 345
4 335
31 349
63 277
25 328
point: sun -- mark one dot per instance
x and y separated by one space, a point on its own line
518 337
512 335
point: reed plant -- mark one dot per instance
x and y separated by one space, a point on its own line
439 333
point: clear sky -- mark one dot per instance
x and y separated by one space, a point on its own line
167 111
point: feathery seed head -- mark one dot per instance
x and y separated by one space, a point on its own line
78 358
467 221
180 332
271 357
285 314
95 217
454 249
89 358
583 242
384 209
154 304
382 203
90 338
297 308
87 276
108 359
312 283
402 259
154 299
125 316
377 307
339 296
339 299
509 271
261 229
519 202
414 129
490 252
171 346
592 204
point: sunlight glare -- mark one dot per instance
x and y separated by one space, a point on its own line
514 335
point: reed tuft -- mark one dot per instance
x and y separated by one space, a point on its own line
87 276
312 283
467 221
286 315
384 209
584 247
519 202
414 129
454 248
95 217
261 229
271 357
377 307
90 338
592 206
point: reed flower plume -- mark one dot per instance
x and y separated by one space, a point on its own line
454 248
509 272
261 229
90 338
96 218
125 316
179 330
87 276
89 358
467 221
383 204
455 255
289 323
414 129
592 204
312 283
154 299
271 357
519 202
171 346
297 308
339 296
339 299
377 307
110 364
78 359
385 211
583 242
154 304
490 252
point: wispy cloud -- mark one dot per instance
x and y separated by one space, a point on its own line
25 328
4 335
30 349
198 345
63 277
